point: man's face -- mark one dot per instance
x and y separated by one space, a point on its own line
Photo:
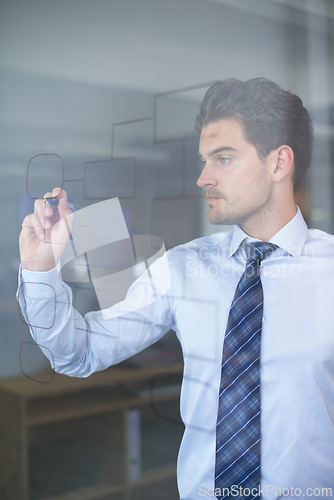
238 184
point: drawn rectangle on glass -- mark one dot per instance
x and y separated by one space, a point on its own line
175 113
115 177
133 138
176 220
43 171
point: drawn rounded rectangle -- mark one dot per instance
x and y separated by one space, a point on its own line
52 295
41 378
44 172
115 177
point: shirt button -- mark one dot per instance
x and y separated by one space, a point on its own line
265 273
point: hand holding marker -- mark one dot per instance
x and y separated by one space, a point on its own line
54 201
46 231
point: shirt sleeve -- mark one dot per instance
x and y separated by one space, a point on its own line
79 346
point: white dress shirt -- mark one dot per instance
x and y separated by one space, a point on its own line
297 350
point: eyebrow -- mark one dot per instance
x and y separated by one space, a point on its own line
221 149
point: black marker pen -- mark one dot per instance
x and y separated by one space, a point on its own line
54 200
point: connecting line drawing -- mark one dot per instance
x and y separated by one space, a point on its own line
164 145
37 170
173 115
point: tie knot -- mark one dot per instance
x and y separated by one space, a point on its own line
258 250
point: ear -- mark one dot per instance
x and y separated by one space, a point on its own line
283 164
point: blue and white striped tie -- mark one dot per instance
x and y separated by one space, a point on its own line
238 457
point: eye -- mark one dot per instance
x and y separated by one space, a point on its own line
223 160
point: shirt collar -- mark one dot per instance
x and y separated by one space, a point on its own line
290 238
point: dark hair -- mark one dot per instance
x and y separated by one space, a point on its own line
269 115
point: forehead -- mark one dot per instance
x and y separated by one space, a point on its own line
227 132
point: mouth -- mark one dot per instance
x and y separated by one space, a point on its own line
211 199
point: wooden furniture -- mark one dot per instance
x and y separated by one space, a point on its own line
30 412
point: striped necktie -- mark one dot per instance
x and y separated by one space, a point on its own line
238 458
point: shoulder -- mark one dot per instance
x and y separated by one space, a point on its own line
321 237
320 243
318 234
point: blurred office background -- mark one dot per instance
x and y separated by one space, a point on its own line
112 88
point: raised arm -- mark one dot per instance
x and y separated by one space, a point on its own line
77 345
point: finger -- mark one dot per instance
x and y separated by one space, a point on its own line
63 207
44 212
31 223
57 192
52 197
51 205
59 201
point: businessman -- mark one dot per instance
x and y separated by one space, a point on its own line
252 307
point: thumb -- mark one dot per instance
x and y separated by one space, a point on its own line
63 208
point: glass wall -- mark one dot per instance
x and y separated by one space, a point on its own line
100 99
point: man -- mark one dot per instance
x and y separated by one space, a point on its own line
250 307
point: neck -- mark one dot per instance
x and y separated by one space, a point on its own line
267 227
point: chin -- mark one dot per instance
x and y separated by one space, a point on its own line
218 217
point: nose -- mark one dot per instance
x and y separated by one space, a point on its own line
207 177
